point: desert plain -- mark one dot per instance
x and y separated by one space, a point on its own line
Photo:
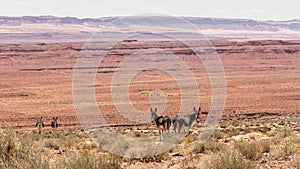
262 92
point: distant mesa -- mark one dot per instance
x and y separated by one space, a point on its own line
57 29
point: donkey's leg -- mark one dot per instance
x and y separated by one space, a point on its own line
188 131
174 126
166 126
160 134
180 125
40 129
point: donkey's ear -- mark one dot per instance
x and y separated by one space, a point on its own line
151 109
194 108
56 118
155 110
199 109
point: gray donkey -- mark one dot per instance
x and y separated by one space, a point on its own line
40 124
186 120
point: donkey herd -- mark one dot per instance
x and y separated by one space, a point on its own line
40 123
163 123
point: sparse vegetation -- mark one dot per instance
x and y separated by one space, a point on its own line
229 160
19 153
253 150
218 134
52 144
229 147
31 150
86 160
213 146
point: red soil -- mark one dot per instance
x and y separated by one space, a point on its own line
36 80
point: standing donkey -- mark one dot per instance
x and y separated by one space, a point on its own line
54 123
162 123
40 124
186 120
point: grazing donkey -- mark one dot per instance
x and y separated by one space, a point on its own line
40 124
162 123
54 123
186 120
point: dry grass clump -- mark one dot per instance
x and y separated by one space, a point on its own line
218 135
195 148
229 160
286 147
85 160
19 153
213 146
282 132
233 132
253 150
190 138
31 150
52 144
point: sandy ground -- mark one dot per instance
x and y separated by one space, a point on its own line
36 80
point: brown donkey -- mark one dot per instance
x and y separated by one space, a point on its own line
162 123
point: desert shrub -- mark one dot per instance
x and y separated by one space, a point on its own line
276 140
52 144
156 158
283 132
191 138
195 147
235 123
285 148
176 149
218 134
233 132
70 140
19 152
213 146
253 150
229 160
265 146
85 160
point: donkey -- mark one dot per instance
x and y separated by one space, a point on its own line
54 123
162 123
40 124
186 120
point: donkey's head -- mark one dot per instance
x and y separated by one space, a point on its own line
153 114
197 113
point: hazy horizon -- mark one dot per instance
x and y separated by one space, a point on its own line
232 9
150 15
